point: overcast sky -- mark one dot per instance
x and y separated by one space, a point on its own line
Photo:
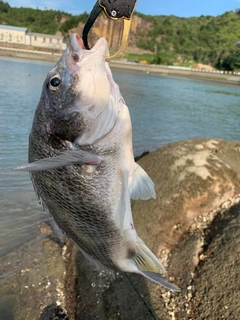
181 8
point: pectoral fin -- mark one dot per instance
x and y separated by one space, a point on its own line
142 186
65 158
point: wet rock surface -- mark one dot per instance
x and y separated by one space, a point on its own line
190 223
192 226
107 295
32 278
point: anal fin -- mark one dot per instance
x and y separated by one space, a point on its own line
145 259
148 265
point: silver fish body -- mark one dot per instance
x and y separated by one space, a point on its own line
81 162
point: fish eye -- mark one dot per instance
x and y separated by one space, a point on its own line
54 83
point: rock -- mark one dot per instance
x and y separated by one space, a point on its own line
33 278
191 178
144 153
192 226
53 312
104 295
215 286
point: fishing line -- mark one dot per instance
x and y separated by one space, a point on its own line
144 302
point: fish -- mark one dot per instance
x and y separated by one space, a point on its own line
82 166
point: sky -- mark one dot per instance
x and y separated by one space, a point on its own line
180 8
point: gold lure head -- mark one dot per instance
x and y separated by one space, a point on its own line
126 31
115 10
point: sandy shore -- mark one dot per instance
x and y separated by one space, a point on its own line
213 76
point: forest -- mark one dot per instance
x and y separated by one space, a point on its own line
172 40
205 39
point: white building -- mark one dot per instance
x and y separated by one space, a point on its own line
17 35
45 40
12 34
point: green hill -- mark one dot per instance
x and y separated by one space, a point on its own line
36 20
205 39
172 40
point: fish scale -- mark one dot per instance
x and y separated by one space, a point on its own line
80 209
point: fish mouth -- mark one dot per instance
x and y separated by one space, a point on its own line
93 59
79 52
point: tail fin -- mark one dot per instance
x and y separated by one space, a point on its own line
148 265
156 277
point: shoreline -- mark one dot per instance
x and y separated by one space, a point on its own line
29 54
212 76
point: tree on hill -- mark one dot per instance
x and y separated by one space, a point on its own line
204 39
4 6
73 22
36 20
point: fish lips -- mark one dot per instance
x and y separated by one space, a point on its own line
78 51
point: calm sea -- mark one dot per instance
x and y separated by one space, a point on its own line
163 109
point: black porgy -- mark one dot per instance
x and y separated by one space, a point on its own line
82 166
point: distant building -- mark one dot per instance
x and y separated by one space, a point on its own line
12 34
18 35
45 40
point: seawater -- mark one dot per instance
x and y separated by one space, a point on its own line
163 110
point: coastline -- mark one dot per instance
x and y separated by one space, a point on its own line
212 76
29 54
